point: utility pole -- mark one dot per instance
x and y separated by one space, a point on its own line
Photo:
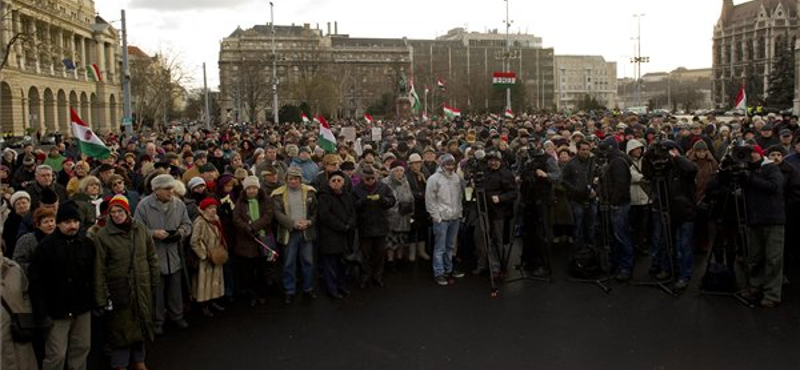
639 59
274 68
127 118
507 60
205 92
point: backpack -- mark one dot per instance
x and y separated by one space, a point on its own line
584 264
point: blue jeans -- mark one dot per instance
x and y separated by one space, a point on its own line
444 240
622 246
684 252
585 216
298 246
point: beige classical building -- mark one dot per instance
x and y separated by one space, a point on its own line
578 76
37 89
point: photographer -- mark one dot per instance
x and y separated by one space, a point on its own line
791 191
501 192
579 180
539 173
615 191
672 187
763 187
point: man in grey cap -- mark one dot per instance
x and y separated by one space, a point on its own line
168 221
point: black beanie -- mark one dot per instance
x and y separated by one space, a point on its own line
68 211
48 196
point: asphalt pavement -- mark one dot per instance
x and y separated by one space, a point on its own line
414 324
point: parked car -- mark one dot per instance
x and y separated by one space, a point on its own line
19 141
50 139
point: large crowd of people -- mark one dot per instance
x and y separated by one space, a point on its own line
246 211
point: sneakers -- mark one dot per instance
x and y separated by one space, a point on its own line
541 272
159 331
456 274
681 284
768 303
181 324
441 280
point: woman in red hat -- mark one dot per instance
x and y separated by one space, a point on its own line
208 244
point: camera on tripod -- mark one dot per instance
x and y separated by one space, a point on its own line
658 156
475 169
736 161
536 160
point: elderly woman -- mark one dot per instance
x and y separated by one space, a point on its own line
118 187
81 171
208 243
399 215
126 271
88 199
44 221
21 206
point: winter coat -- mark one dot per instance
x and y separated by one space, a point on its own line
170 216
372 214
791 189
336 220
577 178
26 247
764 198
208 282
417 182
705 168
87 207
15 356
639 196
247 228
10 230
126 325
615 186
678 190
62 276
443 196
502 184
35 190
404 198
308 167
280 204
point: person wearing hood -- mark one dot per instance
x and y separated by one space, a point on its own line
640 199
615 191
307 166
443 194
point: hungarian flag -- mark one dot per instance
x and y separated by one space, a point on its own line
424 117
316 120
88 142
304 118
94 73
326 139
368 118
741 100
412 95
440 84
451 112
509 113
494 117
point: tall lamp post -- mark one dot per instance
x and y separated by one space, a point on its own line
507 60
639 59
274 67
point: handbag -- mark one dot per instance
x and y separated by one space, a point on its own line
24 326
218 255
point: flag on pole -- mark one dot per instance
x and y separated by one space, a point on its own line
509 113
451 112
304 118
326 139
494 117
424 117
368 118
440 84
88 142
69 65
94 73
741 100
412 95
316 120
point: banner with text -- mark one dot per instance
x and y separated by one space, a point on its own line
504 79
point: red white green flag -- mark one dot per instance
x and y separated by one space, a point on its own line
741 100
509 113
94 73
368 118
451 112
326 139
304 118
440 84
88 142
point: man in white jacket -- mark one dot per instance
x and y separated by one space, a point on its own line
443 196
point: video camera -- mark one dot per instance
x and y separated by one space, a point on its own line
658 156
475 169
536 160
736 161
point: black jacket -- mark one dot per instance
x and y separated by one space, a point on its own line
61 276
336 217
791 189
763 192
502 184
577 178
678 188
372 218
615 186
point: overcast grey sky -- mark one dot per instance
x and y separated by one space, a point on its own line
673 33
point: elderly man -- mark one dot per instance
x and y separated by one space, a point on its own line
44 178
168 221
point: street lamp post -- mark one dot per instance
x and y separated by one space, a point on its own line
639 59
127 119
507 60
274 67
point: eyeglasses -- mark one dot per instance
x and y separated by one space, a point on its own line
337 180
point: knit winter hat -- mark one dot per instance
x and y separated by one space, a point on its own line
700 145
195 182
120 201
68 211
294 171
445 158
48 196
205 203
250 181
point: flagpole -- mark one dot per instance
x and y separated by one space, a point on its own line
275 117
426 102
127 119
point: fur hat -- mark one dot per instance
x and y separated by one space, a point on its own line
68 211
162 181
48 196
414 158
294 171
19 195
250 181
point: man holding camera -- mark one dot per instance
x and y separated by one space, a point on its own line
539 174
763 189
501 192
579 179
615 191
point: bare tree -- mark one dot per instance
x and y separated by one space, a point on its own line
156 83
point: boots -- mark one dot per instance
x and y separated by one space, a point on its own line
139 366
421 251
412 252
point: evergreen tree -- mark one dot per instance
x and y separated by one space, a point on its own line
781 80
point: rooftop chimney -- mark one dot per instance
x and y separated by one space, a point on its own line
329 28
336 28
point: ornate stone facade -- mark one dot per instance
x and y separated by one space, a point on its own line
37 89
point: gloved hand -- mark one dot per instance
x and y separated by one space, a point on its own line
374 196
174 236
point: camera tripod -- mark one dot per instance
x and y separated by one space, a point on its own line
666 231
604 249
741 241
541 226
484 224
